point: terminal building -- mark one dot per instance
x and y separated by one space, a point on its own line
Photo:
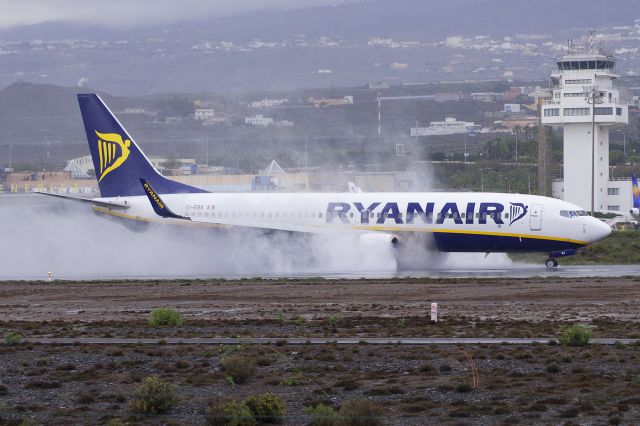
586 103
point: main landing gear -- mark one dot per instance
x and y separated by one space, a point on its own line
551 263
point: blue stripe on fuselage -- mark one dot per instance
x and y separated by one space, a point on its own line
461 242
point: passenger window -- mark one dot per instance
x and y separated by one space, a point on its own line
351 215
320 215
462 215
506 215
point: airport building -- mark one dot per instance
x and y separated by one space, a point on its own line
586 103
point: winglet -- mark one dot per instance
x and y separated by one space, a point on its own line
158 205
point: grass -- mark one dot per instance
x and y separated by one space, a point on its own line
165 317
361 412
322 415
231 413
238 367
154 396
12 338
621 247
576 335
267 408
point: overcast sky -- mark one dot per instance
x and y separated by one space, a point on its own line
119 13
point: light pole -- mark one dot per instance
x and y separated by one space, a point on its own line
10 157
516 133
482 177
466 154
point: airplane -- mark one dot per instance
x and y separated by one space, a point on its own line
132 189
635 211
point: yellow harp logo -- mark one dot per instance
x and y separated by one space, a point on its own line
108 153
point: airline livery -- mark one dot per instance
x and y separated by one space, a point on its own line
635 190
131 188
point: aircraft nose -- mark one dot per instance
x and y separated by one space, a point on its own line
599 230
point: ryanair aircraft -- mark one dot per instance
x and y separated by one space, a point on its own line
131 188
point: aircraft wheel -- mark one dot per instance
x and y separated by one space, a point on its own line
551 263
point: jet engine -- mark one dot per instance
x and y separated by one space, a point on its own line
379 237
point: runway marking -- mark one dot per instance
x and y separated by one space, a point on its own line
312 341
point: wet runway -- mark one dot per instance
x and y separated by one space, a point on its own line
513 271
39 234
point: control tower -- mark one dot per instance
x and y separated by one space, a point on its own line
585 102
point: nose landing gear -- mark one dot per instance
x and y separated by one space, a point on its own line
551 263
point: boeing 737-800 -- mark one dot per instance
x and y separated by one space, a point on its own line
131 188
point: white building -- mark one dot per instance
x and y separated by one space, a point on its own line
584 74
204 114
512 108
258 120
269 103
450 126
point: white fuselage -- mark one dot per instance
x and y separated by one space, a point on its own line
458 221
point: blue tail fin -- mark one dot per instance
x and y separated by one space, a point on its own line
636 191
118 162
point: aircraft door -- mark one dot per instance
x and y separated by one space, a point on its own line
535 217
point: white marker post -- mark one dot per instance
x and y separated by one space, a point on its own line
434 312
49 273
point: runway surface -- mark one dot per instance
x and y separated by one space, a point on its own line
40 235
516 270
310 341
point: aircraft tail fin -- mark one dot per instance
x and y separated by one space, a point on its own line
118 161
636 191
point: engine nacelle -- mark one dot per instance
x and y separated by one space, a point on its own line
379 238
635 213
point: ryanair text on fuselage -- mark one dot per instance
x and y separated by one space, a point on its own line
469 214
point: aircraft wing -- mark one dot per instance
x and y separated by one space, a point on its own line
108 204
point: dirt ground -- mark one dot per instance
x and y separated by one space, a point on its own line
532 299
525 384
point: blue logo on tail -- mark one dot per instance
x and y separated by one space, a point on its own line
118 161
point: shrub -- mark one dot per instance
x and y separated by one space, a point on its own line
165 317
576 335
267 408
154 396
3 389
464 388
362 412
231 413
333 321
321 415
553 369
239 367
12 338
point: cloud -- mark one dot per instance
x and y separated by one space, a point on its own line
126 13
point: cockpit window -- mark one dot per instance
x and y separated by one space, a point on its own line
572 213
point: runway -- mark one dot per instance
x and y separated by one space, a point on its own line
517 270
310 341
40 235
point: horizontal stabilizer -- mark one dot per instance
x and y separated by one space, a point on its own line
109 204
